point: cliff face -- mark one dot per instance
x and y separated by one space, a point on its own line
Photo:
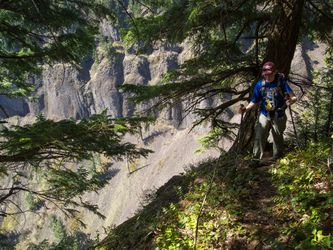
65 92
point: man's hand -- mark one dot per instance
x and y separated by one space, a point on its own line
290 98
242 109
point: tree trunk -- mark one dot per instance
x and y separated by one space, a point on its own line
328 124
284 36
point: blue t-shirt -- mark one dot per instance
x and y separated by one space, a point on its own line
270 97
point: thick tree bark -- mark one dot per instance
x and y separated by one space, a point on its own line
329 118
284 36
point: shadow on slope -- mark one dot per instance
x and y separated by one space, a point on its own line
215 206
141 231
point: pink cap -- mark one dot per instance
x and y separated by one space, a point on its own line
268 68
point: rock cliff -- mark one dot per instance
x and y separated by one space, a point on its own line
64 91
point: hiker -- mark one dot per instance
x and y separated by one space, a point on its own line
273 95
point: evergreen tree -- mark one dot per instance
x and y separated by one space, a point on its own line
38 32
34 156
230 42
32 34
315 118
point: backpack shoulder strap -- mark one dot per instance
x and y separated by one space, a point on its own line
263 86
279 89
280 77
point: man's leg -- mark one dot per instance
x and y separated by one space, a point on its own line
278 127
262 129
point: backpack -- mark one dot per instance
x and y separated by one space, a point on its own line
280 77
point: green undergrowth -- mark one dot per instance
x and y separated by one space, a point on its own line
288 205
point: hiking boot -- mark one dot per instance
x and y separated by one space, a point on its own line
275 158
253 164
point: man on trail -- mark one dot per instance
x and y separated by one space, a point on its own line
273 95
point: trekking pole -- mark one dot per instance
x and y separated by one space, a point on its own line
292 120
239 134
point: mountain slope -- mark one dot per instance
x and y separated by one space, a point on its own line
286 205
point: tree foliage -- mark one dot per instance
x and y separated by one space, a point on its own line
38 153
230 40
315 117
38 32
36 157
64 240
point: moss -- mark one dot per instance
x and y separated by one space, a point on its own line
133 165
10 223
162 163
73 224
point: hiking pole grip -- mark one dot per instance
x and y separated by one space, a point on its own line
242 113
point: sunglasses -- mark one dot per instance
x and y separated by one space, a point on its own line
266 69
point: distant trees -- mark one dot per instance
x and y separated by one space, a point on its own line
32 34
63 239
315 120
230 42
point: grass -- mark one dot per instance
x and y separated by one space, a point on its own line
288 205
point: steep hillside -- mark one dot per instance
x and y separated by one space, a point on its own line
287 205
124 195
